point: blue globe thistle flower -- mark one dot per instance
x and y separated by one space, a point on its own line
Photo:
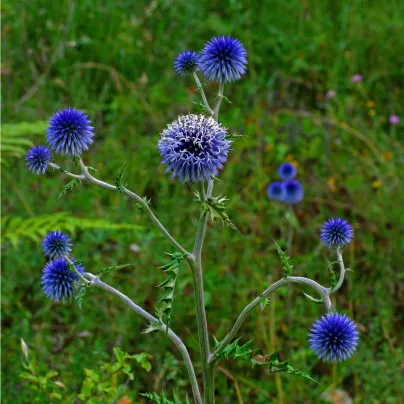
334 337
286 171
56 244
223 59
58 281
69 132
336 232
275 191
194 147
38 159
292 191
186 63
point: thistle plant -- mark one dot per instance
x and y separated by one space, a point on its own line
194 148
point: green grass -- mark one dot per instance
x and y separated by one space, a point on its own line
114 60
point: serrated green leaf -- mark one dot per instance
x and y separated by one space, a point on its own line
74 183
114 268
287 268
264 301
84 287
119 183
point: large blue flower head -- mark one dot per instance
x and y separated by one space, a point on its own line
186 63
293 191
38 159
275 191
334 337
69 132
58 281
194 147
336 232
286 171
223 59
56 244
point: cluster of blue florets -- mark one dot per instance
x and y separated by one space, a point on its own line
223 59
58 280
69 133
289 190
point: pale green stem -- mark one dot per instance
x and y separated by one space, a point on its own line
342 271
139 200
95 281
75 270
200 88
324 293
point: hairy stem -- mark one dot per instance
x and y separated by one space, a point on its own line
200 88
95 281
324 293
139 200
342 271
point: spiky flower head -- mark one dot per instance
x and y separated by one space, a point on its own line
336 232
69 132
292 191
275 191
334 337
58 281
38 159
56 244
223 59
194 147
186 63
286 171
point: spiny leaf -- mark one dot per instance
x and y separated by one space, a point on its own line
330 266
223 98
202 106
264 301
139 207
114 268
160 399
287 268
119 183
215 207
81 294
92 170
232 136
171 270
74 183
235 351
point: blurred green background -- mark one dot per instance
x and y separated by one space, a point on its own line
114 59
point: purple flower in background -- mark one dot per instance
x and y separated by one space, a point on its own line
69 132
293 192
336 232
275 191
286 171
223 59
56 244
38 159
186 63
356 78
394 119
194 147
58 281
330 94
334 337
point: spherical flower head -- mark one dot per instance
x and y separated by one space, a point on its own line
292 191
275 191
286 171
334 337
356 78
394 119
56 244
69 132
336 232
58 281
186 63
194 147
38 159
223 59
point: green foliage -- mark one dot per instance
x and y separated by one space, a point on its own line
119 182
215 207
162 398
139 207
245 352
74 183
287 268
171 270
14 139
82 292
110 269
264 301
15 228
330 266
